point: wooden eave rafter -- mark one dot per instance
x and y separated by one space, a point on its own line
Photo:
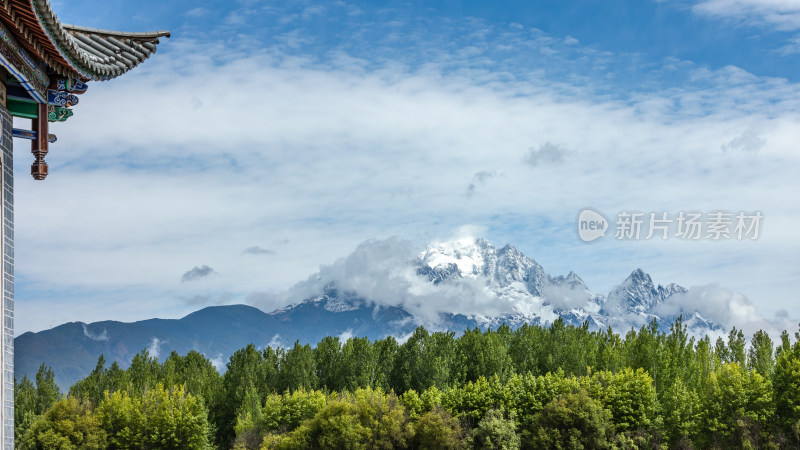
20 18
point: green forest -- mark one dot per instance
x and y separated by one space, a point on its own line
561 387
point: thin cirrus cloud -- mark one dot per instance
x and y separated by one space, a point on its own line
781 14
256 250
792 47
199 300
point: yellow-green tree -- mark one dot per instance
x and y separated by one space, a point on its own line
67 425
161 418
363 419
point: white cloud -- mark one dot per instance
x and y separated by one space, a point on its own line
346 334
385 272
780 14
218 362
154 348
751 140
94 336
313 10
197 12
723 306
566 297
276 342
792 47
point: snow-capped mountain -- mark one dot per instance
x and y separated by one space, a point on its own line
470 282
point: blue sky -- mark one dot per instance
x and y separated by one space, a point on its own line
267 138
754 35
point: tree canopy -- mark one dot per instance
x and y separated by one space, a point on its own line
532 387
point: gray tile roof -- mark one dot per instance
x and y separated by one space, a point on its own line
89 53
109 54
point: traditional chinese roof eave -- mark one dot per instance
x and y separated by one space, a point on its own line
74 44
69 51
105 54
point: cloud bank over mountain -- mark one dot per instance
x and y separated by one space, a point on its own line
468 276
385 273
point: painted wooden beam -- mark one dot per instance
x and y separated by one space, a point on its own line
30 135
20 108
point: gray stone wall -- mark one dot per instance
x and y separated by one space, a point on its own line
7 343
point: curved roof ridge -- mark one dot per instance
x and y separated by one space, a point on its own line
130 34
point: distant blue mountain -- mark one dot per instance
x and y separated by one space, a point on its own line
72 349
519 285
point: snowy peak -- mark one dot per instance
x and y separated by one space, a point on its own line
440 273
639 294
672 289
639 276
512 277
476 258
470 282
330 300
512 266
572 281
467 255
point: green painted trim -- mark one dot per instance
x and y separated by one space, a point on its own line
58 114
22 109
